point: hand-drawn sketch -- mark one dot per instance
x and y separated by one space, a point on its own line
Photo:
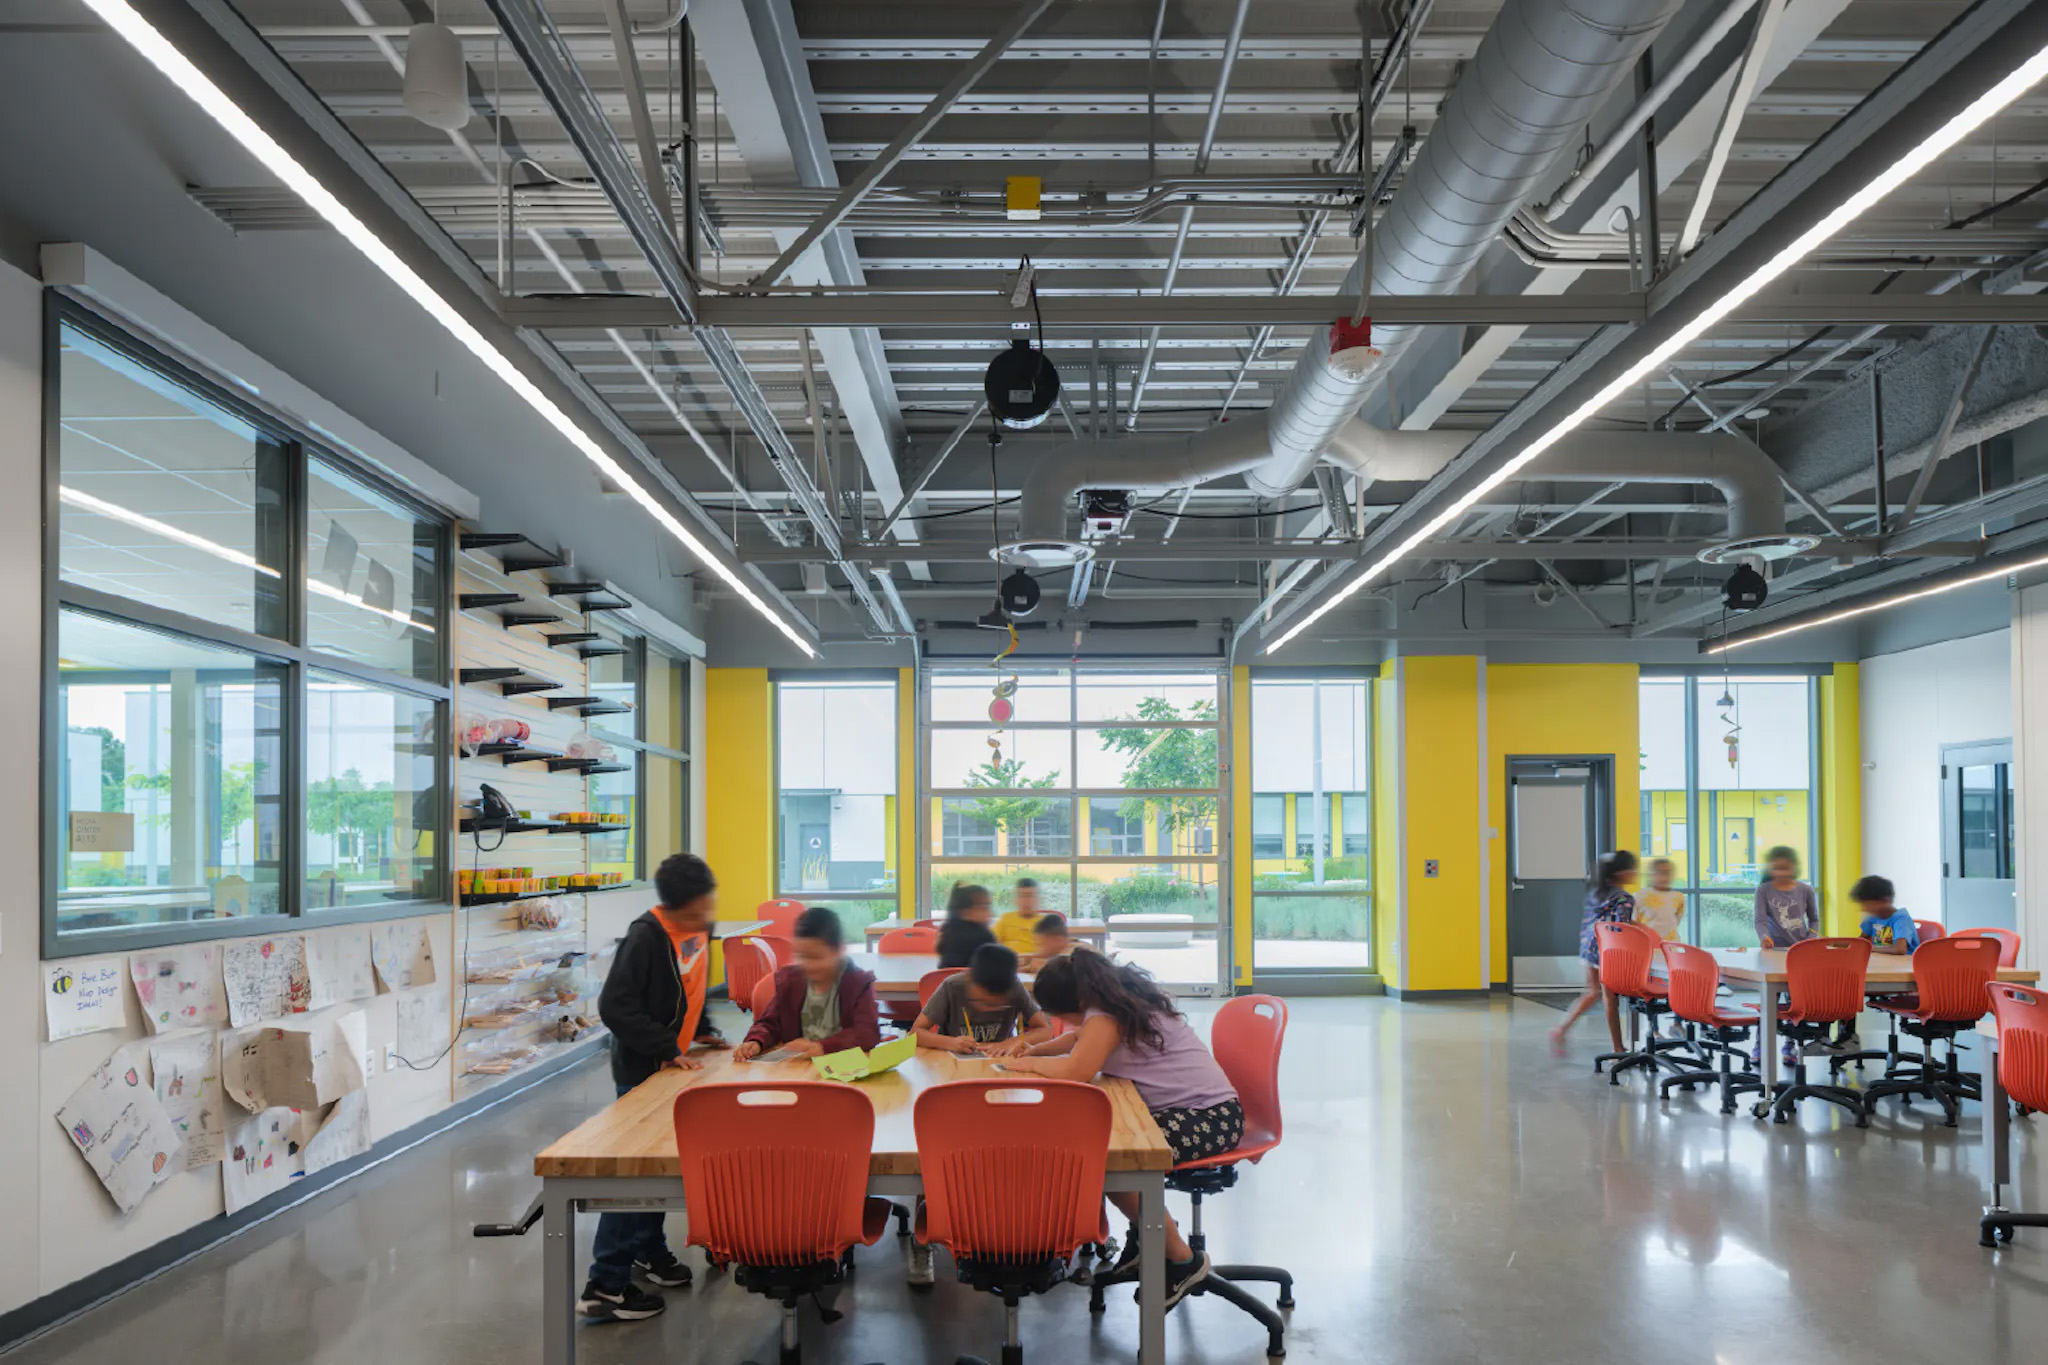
301 1066
265 1153
403 956
84 996
180 987
423 1026
344 1132
338 966
266 978
187 1071
123 1133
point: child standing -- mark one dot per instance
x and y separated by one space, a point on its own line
822 1002
1658 906
1125 1025
651 1001
968 911
1607 902
1013 930
1787 912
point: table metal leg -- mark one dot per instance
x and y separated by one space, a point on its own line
558 1277
1997 1126
1770 1042
1152 1272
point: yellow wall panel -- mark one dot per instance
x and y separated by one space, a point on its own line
739 761
1441 743
1841 798
908 892
1386 833
1241 822
1538 709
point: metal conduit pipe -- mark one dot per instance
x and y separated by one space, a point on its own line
1734 466
1540 74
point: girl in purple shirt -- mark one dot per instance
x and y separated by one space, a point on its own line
1124 1024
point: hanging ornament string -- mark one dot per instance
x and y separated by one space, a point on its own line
1001 707
1730 711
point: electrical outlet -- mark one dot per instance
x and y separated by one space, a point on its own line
390 1058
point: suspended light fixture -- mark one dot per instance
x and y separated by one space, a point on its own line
436 82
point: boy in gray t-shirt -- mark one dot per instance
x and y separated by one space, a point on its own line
983 1009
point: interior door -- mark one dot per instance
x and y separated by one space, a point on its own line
1556 818
1978 888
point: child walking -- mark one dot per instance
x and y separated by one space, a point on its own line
1607 902
1125 1025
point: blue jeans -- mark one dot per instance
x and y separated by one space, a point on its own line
623 1238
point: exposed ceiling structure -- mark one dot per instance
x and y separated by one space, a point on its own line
771 236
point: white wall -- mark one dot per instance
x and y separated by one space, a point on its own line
1913 703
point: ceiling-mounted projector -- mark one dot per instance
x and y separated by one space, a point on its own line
1021 385
1020 593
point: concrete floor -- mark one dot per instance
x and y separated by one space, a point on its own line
1447 1191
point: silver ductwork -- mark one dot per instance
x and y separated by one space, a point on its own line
1538 78
1734 466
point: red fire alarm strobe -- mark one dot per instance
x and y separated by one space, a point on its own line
1351 349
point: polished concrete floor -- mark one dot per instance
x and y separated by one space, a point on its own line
1448 1191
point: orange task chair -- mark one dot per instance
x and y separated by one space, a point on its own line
775 1176
1246 1038
1928 930
1007 1236
1949 977
1695 988
1825 984
781 915
747 962
781 946
917 938
2022 1015
2008 943
1626 951
928 984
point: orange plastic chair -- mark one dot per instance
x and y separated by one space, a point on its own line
1825 980
916 939
2022 1015
764 995
1008 1236
1928 930
747 961
1949 977
2008 943
928 984
775 1176
1694 985
781 916
780 945
932 923
1626 952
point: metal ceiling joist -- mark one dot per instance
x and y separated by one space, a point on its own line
1463 549
540 48
1969 57
235 57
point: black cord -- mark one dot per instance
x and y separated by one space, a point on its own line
968 511
1225 516
455 1024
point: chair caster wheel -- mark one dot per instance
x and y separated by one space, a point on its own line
1863 1120
1757 1111
2005 1235
1285 1301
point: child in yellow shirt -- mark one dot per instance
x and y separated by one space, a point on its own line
1658 906
1014 930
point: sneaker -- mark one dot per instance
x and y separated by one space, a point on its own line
1127 1254
1183 1276
1848 1045
663 1269
921 1264
1789 1054
1817 1049
630 1304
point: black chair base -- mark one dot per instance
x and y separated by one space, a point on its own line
1943 1081
1012 1280
1997 1225
787 1284
1223 1281
1780 1106
1656 1051
1722 1041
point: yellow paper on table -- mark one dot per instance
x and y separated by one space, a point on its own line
854 1064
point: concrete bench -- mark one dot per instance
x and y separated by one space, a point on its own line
1152 931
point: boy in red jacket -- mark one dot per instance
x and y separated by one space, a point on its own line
822 1004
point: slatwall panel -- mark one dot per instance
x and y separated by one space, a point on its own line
508 1025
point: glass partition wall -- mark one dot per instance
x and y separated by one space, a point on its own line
1311 824
1728 768
1103 786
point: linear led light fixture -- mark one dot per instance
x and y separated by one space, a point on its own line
116 512
120 16
1829 618
1979 112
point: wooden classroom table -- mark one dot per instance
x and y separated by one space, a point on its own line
625 1158
1092 930
1764 968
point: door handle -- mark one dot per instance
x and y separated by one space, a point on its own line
1516 886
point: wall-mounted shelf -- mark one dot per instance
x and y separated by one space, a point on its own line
512 609
589 597
513 682
510 752
506 897
587 706
471 825
586 766
573 637
594 827
516 553
602 651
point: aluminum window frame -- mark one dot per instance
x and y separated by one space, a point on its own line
871 676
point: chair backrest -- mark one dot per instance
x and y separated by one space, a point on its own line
781 916
917 939
1013 1168
928 984
2008 943
932 923
1695 981
2022 1014
776 1174
1246 1038
1824 978
780 946
1929 930
1950 974
1625 953
746 962
764 995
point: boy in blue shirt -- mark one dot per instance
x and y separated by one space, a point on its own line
1889 929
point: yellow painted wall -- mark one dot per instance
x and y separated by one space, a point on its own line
1540 709
1841 798
739 761
1386 833
1240 779
908 891
1440 739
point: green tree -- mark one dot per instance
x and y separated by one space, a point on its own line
346 804
1162 758
1008 813
237 798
